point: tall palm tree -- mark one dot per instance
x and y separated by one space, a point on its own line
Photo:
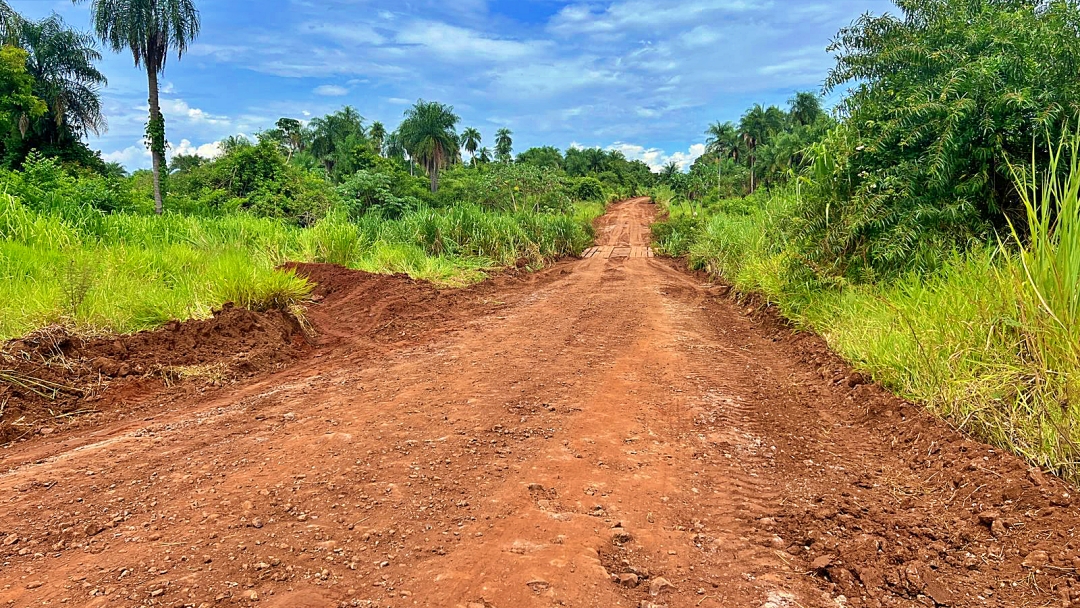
335 136
10 22
470 140
751 143
377 134
504 145
483 156
61 60
149 29
723 141
805 108
429 135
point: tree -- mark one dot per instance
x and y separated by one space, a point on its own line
182 163
483 156
470 140
10 22
723 141
61 61
428 133
292 135
149 29
545 156
941 96
377 135
504 145
668 173
335 139
805 108
18 106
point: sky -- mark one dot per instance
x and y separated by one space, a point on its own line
642 76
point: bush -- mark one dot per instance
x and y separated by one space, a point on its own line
588 189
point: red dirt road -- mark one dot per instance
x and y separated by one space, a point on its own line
609 432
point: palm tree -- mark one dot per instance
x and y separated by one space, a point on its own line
377 134
10 23
335 136
149 29
483 156
751 143
504 145
394 147
61 60
723 140
668 173
470 140
429 135
805 108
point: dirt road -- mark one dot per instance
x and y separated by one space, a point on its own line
612 431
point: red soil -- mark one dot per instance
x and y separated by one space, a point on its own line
607 432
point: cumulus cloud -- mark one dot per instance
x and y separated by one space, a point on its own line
657 158
186 148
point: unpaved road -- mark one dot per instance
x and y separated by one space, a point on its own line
612 432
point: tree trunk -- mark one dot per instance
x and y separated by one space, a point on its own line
156 132
433 171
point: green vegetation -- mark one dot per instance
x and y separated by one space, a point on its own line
931 233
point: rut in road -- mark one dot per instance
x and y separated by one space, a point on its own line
616 433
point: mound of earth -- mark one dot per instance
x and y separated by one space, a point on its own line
53 375
54 378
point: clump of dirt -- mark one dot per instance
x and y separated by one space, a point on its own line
53 375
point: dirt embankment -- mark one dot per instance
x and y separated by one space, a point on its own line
54 380
609 432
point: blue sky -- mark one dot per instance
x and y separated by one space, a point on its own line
643 76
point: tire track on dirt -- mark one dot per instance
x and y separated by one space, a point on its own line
611 433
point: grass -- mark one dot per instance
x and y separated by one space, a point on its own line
989 341
128 272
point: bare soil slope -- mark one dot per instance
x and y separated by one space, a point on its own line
609 432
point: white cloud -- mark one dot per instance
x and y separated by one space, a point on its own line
178 107
209 150
457 44
331 90
620 18
657 158
131 157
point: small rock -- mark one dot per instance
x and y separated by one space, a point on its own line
648 604
535 487
289 417
34 584
257 523
538 585
93 529
157 592
628 580
11 539
1036 559
998 528
659 585
822 562
987 518
46 430
253 595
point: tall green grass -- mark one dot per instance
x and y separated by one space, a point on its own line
128 272
989 340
